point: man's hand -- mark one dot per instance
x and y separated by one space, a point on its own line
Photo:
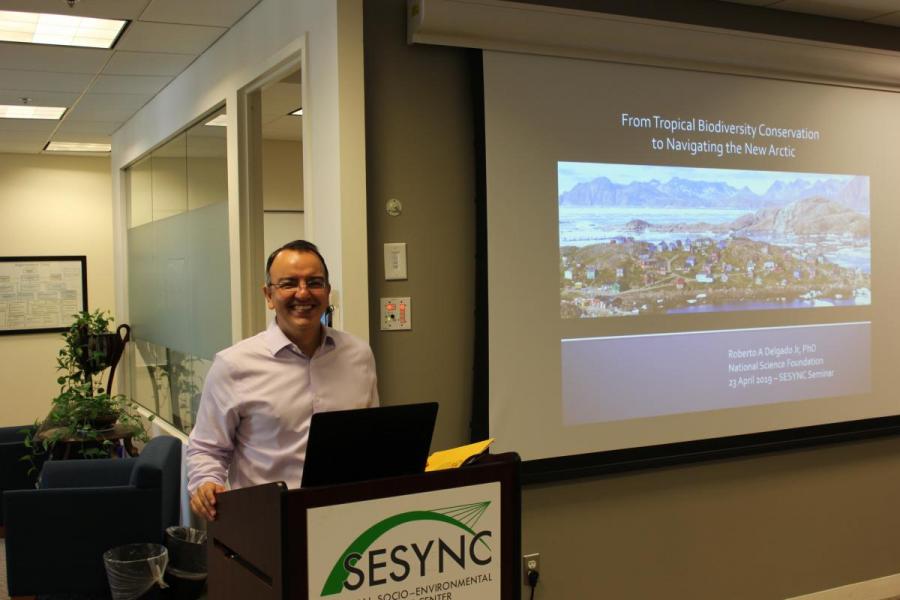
203 502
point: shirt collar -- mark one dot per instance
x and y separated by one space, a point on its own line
276 341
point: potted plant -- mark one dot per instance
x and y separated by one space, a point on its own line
84 411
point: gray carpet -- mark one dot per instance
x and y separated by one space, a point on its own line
4 594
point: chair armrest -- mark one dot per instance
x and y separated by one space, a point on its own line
55 538
14 470
13 435
78 473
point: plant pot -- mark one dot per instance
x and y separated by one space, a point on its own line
101 350
104 422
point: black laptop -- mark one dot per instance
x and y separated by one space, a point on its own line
368 443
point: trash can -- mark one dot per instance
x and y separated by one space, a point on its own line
134 570
186 574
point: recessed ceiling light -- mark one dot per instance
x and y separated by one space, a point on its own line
76 147
220 121
296 113
60 30
19 111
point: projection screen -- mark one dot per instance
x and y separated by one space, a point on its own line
677 255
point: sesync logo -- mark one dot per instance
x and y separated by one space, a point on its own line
361 564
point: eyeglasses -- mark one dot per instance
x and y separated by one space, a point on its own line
290 286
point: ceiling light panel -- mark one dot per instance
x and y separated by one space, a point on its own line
19 111
77 147
58 30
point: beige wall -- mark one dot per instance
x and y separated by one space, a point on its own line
282 175
760 527
419 144
50 205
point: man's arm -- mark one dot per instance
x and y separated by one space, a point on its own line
373 392
211 442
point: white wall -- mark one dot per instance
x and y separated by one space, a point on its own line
51 205
275 34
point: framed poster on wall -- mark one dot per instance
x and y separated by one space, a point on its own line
40 294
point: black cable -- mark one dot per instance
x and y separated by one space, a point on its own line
533 577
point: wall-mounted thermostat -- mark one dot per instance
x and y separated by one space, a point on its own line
396 314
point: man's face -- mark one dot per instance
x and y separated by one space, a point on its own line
298 293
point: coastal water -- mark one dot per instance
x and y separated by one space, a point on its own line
754 305
855 258
582 226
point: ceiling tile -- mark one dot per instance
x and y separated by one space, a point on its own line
128 84
107 107
44 81
39 126
101 9
10 147
147 63
25 136
222 13
169 38
284 128
855 10
36 57
279 99
99 128
38 98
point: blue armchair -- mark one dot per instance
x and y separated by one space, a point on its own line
56 535
13 470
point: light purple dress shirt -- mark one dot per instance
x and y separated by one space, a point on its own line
258 399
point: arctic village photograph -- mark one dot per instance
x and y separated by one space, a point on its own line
639 239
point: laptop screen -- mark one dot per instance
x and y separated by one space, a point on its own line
368 443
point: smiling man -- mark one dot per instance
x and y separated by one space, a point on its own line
260 394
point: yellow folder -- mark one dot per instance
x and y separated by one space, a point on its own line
456 457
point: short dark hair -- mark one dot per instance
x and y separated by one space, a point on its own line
296 246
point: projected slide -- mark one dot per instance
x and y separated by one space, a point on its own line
638 239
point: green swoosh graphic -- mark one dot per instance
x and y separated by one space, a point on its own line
335 582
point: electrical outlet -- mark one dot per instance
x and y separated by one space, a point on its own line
396 313
530 562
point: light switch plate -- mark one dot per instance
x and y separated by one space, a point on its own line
396 314
394 261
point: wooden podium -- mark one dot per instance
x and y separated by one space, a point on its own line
444 535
